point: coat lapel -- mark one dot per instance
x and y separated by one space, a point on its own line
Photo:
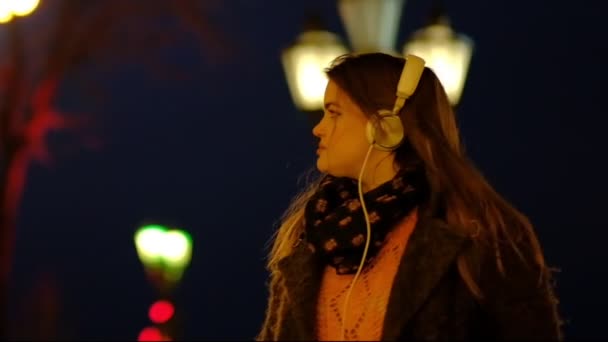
303 281
430 251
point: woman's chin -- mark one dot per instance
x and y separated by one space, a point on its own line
321 165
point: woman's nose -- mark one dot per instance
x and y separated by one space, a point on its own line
317 131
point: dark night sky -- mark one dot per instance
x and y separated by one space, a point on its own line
220 155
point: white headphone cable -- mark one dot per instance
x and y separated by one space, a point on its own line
367 242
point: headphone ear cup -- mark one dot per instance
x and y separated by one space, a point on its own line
386 133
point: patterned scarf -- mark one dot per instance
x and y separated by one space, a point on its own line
335 225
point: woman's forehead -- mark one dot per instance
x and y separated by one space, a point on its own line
338 99
334 95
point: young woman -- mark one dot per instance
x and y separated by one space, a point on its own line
406 241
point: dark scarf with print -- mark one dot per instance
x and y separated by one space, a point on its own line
335 225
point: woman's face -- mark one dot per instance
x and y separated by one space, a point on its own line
343 143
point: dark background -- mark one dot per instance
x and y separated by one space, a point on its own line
220 155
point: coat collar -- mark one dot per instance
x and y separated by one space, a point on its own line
430 251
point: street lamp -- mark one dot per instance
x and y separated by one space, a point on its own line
446 52
372 25
304 63
16 8
165 254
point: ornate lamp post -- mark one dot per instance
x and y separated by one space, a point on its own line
372 25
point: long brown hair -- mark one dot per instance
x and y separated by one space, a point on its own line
460 193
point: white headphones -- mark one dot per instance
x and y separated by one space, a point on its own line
385 130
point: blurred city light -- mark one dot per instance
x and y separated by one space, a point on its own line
446 52
304 64
19 8
164 250
151 334
161 311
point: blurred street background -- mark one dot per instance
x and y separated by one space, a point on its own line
178 117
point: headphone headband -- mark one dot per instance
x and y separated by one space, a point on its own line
386 133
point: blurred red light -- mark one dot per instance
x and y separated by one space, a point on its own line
150 334
161 311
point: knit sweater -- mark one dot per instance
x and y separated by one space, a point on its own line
370 295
